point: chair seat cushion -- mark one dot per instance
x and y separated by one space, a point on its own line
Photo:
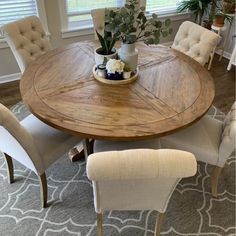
102 146
50 142
202 139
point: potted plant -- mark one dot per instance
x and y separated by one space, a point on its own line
130 25
127 72
220 18
198 7
106 50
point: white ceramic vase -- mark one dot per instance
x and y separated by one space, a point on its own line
99 58
129 54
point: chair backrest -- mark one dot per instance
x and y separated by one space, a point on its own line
27 40
137 179
228 143
195 41
17 142
98 16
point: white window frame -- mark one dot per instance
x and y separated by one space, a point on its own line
169 12
41 15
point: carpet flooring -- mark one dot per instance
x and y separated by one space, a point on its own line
192 209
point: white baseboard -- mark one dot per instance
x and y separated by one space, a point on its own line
9 78
226 55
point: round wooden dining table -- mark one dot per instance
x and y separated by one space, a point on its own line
172 92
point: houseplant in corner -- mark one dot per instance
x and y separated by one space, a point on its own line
130 25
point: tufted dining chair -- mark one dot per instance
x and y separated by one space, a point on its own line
27 40
210 140
137 179
33 144
195 41
98 16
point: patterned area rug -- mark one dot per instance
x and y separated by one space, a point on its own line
191 211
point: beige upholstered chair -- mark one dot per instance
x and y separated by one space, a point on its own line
26 39
210 140
33 144
98 16
195 41
137 179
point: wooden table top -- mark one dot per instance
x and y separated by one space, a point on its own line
172 92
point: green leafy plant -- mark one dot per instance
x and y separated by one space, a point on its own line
127 68
130 24
225 16
107 42
198 7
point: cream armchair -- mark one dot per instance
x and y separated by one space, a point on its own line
195 41
138 179
26 39
210 140
33 144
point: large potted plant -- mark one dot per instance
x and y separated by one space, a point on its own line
198 7
130 25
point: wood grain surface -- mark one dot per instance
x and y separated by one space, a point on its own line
172 92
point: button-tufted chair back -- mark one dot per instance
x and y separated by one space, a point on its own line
26 39
137 179
98 16
228 144
195 41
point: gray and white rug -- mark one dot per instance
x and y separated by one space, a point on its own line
192 210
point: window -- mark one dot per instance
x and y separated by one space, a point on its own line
161 6
75 14
12 10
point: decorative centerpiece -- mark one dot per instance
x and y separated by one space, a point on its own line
130 24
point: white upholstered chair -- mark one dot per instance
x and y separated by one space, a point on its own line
210 140
195 41
137 179
27 40
33 144
98 16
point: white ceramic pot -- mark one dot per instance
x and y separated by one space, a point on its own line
129 54
99 58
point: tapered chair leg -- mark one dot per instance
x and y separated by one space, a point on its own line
159 220
99 223
214 180
10 168
43 190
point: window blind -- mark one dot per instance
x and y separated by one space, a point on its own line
78 11
11 10
161 5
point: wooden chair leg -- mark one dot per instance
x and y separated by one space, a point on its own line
43 190
214 180
159 220
99 223
10 168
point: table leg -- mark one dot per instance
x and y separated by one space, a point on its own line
77 153
88 147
